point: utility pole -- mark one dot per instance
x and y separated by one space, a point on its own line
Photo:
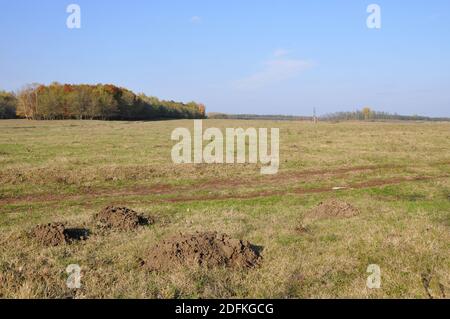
314 116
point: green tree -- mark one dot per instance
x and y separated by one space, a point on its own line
8 105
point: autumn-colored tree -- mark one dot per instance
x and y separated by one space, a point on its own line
103 102
202 109
367 112
27 106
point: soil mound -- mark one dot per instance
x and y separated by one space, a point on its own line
332 209
55 234
120 218
208 250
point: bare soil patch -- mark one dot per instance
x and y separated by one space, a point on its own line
56 234
120 218
208 249
332 208
302 229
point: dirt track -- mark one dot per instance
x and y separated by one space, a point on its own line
304 191
229 184
215 184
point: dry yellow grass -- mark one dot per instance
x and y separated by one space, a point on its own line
396 174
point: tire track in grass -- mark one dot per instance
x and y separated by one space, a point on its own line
212 184
305 191
260 194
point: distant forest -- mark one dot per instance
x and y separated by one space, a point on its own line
366 114
108 102
258 117
91 102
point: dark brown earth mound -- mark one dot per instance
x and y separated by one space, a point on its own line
208 250
332 209
56 234
120 218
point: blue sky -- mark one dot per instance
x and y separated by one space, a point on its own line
265 57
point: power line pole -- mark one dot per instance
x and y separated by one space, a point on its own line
314 116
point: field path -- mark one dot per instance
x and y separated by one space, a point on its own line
173 192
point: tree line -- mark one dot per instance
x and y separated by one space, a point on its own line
91 102
276 117
366 114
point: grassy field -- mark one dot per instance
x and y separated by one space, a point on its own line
396 174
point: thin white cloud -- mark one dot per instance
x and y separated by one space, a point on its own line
195 19
280 52
278 69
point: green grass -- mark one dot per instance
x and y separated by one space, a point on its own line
68 170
